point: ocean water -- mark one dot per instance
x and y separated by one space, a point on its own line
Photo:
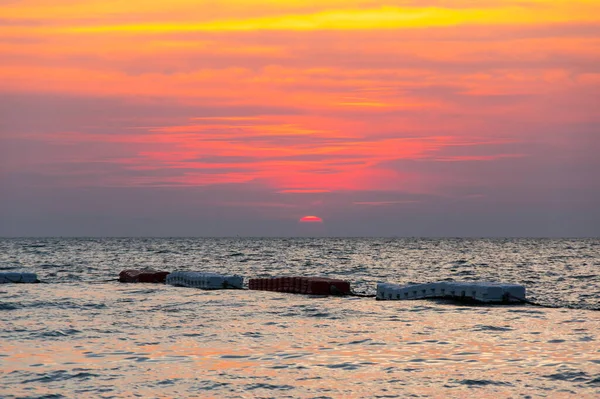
79 336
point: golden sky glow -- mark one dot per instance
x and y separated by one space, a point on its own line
301 98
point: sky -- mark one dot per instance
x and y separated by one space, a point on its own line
241 117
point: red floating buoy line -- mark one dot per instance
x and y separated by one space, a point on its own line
143 276
294 285
301 285
478 291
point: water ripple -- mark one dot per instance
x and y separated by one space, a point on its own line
76 339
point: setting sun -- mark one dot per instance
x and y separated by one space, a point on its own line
311 219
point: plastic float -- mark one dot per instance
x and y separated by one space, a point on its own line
301 285
18 278
142 276
205 281
477 290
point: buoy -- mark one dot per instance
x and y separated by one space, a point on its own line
18 278
142 276
488 292
301 285
205 281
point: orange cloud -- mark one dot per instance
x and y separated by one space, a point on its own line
342 90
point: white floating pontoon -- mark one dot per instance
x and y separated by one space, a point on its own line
476 290
18 277
205 281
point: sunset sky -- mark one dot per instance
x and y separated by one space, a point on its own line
240 117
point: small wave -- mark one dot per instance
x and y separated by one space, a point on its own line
420 309
464 273
585 276
595 381
342 366
525 311
60 375
141 291
4 267
234 357
252 334
53 266
482 383
142 343
572 376
164 251
169 381
65 304
252 387
323 315
210 385
362 341
59 333
480 327
94 306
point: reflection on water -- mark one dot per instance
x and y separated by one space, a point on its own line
70 338
112 340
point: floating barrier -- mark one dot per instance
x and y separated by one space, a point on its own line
18 277
301 285
478 291
205 281
142 276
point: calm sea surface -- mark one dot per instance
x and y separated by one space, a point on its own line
77 338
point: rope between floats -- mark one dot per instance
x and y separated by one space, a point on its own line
361 295
101 281
335 291
528 302
80 281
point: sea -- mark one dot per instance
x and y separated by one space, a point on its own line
81 334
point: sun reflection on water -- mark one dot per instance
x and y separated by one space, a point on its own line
164 341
